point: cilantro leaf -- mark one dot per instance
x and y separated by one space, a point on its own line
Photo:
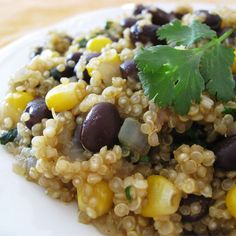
230 110
179 34
216 70
169 76
175 77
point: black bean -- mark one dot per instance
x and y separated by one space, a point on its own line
74 57
92 55
100 127
86 76
160 17
37 51
129 69
128 22
177 15
144 34
204 203
37 110
138 9
212 20
57 75
225 153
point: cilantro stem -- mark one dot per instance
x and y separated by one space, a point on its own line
213 42
225 35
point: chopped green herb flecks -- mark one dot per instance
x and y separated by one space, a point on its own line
108 25
177 77
194 135
144 159
128 192
82 43
8 136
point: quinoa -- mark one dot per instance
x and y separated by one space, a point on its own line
59 148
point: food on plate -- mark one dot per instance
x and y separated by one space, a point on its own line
134 120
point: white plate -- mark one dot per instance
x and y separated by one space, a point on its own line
24 208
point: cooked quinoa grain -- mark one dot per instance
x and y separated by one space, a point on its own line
80 123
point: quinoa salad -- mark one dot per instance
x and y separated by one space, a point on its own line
134 121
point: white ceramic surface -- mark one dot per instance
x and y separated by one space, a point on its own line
24 208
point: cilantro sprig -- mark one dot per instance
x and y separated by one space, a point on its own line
185 35
176 77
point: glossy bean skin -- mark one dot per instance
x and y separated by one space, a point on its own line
225 153
67 72
138 9
37 110
129 70
212 20
144 34
90 56
128 22
160 17
204 202
100 127
74 57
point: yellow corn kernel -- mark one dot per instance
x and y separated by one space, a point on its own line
234 64
103 195
230 201
163 197
13 105
19 100
63 97
98 43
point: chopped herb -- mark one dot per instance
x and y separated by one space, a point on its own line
8 137
184 73
144 159
179 34
230 110
195 135
108 25
82 43
128 192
